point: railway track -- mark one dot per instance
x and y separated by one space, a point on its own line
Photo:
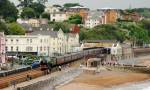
19 77
22 76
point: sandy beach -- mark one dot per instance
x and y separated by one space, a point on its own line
103 80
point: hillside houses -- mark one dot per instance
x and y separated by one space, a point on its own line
94 18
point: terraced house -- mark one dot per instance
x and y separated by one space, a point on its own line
42 43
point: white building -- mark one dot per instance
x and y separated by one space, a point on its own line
73 43
33 22
94 18
116 51
58 16
42 43
52 9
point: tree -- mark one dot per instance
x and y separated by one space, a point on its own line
75 19
38 8
68 5
61 25
4 28
137 34
15 29
8 11
28 13
25 3
46 15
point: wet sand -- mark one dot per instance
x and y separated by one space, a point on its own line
145 63
103 80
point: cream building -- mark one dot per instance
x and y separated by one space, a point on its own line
33 22
52 9
58 16
42 43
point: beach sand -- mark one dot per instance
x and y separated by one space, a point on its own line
103 80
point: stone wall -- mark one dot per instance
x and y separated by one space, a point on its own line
51 83
138 69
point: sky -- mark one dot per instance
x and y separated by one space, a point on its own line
96 4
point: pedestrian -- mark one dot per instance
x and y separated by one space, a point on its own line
13 82
28 77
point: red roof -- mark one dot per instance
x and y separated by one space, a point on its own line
75 29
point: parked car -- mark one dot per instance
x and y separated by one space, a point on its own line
35 64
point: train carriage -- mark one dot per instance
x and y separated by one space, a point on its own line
73 55
67 58
60 60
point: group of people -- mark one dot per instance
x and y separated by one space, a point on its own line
110 63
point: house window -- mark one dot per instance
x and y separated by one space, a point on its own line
27 40
11 40
53 15
17 48
41 40
28 49
53 20
6 40
11 48
6 48
54 11
40 48
30 40
44 48
17 40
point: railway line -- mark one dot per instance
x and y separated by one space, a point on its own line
19 77
22 76
34 73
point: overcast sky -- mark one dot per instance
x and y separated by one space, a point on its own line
95 4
